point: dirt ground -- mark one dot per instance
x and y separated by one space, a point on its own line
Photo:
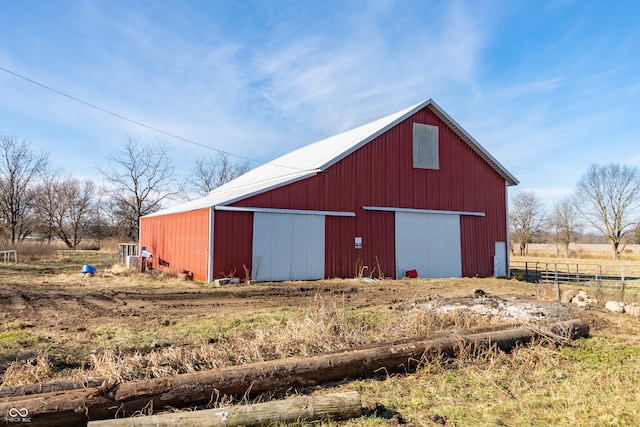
63 308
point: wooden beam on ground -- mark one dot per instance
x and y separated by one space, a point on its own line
338 406
48 387
193 389
62 385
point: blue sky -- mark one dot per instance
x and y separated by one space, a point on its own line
547 87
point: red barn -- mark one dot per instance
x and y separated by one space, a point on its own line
410 191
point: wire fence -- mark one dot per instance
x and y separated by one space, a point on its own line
612 276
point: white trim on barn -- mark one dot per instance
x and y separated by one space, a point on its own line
283 211
471 142
423 211
211 246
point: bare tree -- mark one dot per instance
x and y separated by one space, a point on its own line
563 224
526 216
609 201
79 213
19 168
66 208
109 223
212 172
138 179
47 202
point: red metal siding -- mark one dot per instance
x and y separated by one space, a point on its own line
378 242
181 240
233 239
381 174
376 229
340 254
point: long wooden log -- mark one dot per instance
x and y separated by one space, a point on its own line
338 406
63 385
79 406
48 387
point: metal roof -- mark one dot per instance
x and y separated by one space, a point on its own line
314 158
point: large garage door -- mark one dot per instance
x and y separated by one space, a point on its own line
287 247
428 243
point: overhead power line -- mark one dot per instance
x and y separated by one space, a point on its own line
120 116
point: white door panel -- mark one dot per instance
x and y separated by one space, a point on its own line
428 243
500 260
271 258
307 247
287 247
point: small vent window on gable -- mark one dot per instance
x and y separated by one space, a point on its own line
425 147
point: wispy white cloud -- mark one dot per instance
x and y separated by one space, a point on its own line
534 85
332 86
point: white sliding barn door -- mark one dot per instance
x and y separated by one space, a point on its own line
287 247
500 260
428 243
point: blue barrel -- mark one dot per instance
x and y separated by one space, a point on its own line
88 269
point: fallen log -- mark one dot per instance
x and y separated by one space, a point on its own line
48 387
338 406
76 407
63 385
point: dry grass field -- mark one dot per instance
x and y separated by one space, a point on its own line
583 253
120 324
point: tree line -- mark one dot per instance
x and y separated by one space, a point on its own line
42 201
606 202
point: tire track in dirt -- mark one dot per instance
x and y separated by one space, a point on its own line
15 304
76 305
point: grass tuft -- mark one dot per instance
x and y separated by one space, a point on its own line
34 370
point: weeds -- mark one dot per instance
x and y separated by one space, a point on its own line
129 354
36 369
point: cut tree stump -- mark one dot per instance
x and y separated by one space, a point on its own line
338 406
76 407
